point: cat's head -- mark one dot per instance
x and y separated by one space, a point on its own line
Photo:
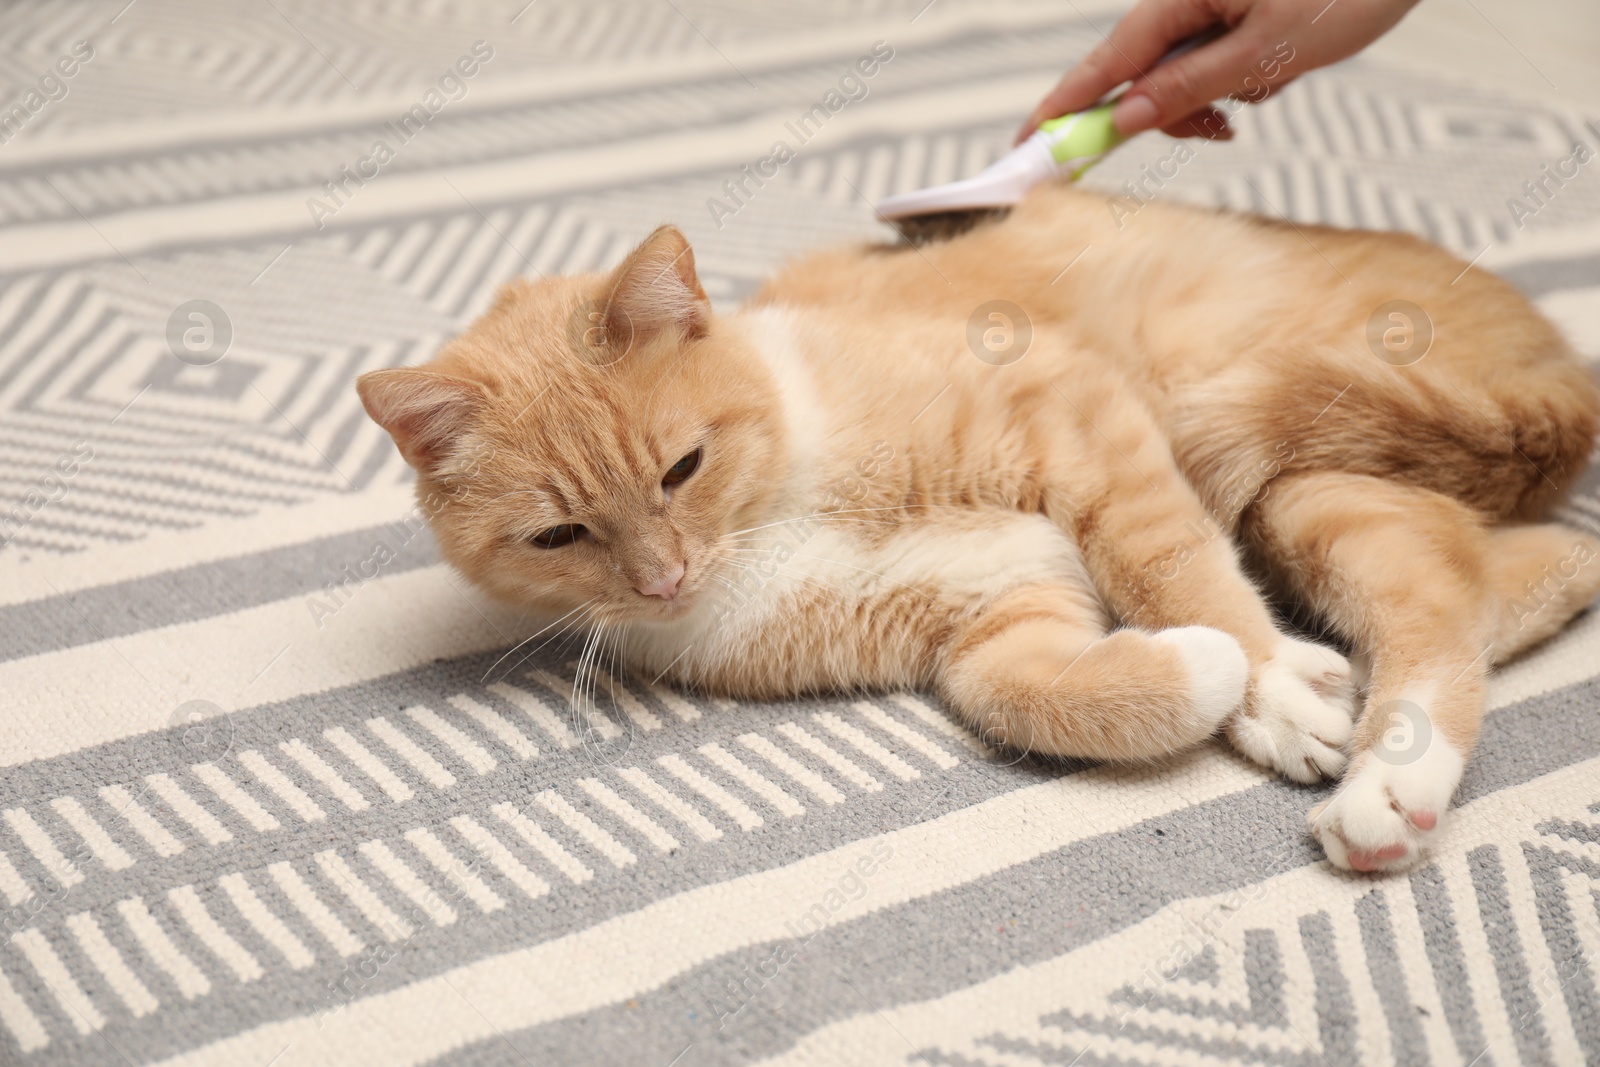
591 439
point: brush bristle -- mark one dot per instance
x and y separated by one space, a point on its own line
919 230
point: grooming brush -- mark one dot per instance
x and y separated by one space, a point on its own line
1062 148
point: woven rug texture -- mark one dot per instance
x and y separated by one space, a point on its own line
270 794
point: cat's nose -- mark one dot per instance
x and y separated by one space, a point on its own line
666 586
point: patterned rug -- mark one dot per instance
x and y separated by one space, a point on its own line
271 794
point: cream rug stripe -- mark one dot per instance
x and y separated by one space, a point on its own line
127 686
276 651
223 539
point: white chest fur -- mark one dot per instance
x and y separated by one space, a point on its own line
956 563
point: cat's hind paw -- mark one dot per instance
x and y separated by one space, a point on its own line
1297 718
1385 816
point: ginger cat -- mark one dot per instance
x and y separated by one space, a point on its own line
855 483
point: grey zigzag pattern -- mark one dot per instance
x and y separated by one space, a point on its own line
1155 1023
190 444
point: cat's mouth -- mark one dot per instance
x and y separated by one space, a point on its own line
674 609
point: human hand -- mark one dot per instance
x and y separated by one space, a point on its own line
1267 44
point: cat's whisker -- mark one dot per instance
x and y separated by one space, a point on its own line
732 586
603 654
805 579
818 518
531 636
517 492
865 570
590 651
757 556
771 540
822 516
602 657
602 642
590 610
582 720
611 664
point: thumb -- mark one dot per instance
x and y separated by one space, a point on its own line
1189 83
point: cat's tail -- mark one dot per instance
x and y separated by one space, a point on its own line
1505 443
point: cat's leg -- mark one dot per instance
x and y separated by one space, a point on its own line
1400 572
1035 671
1161 560
1540 576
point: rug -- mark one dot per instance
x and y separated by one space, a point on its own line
273 792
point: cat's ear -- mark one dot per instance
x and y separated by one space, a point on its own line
424 411
655 288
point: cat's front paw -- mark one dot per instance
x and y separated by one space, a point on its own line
1218 672
1387 814
1297 717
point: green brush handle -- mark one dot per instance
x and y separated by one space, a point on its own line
1080 140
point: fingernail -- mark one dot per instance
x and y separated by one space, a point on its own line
1134 114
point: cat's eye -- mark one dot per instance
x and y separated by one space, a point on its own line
557 536
679 472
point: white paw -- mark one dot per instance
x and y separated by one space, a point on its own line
1218 670
1298 718
1390 808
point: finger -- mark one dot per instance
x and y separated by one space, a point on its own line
1078 88
1208 122
1189 83
1102 70
1260 87
1135 44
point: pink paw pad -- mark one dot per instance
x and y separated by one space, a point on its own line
1370 861
1423 820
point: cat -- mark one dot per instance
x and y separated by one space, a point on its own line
1060 511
